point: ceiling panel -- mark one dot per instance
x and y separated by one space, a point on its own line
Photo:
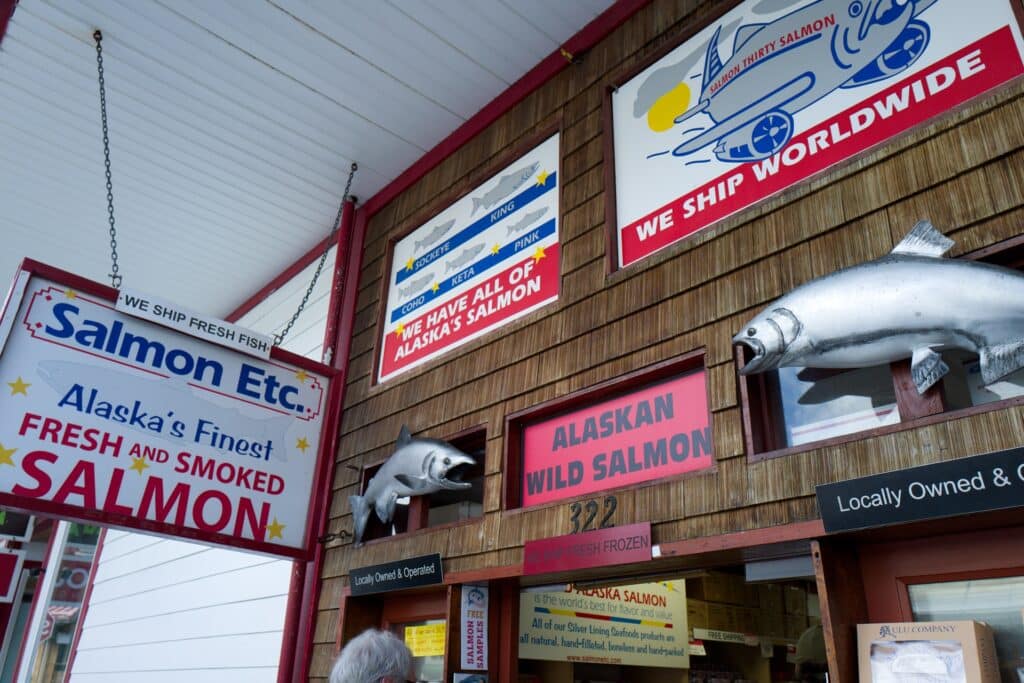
233 125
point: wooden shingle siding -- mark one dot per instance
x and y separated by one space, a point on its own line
963 172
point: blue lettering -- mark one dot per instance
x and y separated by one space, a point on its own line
245 380
66 328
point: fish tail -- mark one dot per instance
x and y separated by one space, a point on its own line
360 516
477 203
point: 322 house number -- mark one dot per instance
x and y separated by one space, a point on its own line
584 515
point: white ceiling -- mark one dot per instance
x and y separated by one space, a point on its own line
233 123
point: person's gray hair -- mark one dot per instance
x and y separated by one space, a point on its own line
371 656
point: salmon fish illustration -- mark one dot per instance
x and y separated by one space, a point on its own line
434 235
414 286
465 257
779 68
506 186
526 221
911 303
418 467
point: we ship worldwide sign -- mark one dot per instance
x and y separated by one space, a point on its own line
109 418
761 100
488 259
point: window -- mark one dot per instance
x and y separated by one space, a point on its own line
998 602
443 507
791 407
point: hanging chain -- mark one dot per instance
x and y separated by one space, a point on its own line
115 278
278 338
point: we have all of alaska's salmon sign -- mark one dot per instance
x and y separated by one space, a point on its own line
110 418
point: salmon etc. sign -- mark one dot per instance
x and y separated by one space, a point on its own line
106 417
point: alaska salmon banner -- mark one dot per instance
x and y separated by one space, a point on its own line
775 92
486 260
660 431
106 417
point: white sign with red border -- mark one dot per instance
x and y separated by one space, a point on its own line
488 259
773 93
108 418
474 628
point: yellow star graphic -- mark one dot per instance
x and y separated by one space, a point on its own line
302 444
408 264
496 248
542 178
70 293
274 529
5 455
139 464
301 376
19 386
539 254
435 287
400 330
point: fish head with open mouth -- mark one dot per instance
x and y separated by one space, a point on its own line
441 461
770 335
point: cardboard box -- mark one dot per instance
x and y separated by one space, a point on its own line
771 624
721 617
696 613
795 598
936 651
718 587
770 597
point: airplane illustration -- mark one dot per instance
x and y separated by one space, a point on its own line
779 68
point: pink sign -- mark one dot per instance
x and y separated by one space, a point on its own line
660 431
599 548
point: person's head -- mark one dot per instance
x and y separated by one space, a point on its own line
373 657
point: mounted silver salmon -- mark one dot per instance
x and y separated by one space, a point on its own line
418 467
911 303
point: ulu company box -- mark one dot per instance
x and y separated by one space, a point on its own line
932 651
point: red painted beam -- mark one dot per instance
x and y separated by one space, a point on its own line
586 38
6 12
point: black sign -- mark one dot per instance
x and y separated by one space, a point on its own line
14 524
393 576
993 481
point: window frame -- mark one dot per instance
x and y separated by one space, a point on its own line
761 438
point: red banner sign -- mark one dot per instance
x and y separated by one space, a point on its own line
660 431
600 548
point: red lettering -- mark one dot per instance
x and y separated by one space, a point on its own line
29 421
110 503
225 511
85 471
247 513
154 492
43 481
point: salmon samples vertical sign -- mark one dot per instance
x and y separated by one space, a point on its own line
775 92
110 418
488 259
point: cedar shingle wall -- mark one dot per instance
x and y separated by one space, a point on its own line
963 172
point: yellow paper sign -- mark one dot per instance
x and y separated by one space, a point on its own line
426 641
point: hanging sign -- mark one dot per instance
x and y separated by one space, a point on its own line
637 625
474 628
768 96
598 548
11 562
660 431
488 259
412 572
108 418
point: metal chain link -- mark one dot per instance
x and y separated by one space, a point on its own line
278 338
115 278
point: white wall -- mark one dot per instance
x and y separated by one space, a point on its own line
168 611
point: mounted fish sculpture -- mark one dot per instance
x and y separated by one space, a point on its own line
418 467
911 303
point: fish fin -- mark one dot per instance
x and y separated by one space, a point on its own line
385 507
712 61
924 240
999 361
926 368
744 34
360 515
404 437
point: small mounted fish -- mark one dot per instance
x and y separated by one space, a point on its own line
418 467
911 303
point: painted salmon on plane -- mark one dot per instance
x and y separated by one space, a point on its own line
779 68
